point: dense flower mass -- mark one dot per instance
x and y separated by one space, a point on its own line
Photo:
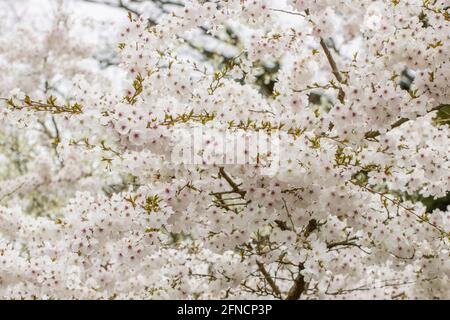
293 149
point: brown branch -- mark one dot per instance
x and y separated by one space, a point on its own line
346 244
299 285
269 279
282 225
398 123
49 106
312 225
288 12
334 69
386 285
331 61
232 184
221 202
119 5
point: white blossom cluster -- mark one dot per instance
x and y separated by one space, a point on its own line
93 204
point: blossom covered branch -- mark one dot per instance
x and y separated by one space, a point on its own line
240 149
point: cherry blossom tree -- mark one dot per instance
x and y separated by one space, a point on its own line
226 149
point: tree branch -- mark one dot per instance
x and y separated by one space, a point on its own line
269 279
232 184
299 285
119 5
334 69
398 123
312 225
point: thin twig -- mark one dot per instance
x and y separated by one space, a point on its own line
289 12
334 69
